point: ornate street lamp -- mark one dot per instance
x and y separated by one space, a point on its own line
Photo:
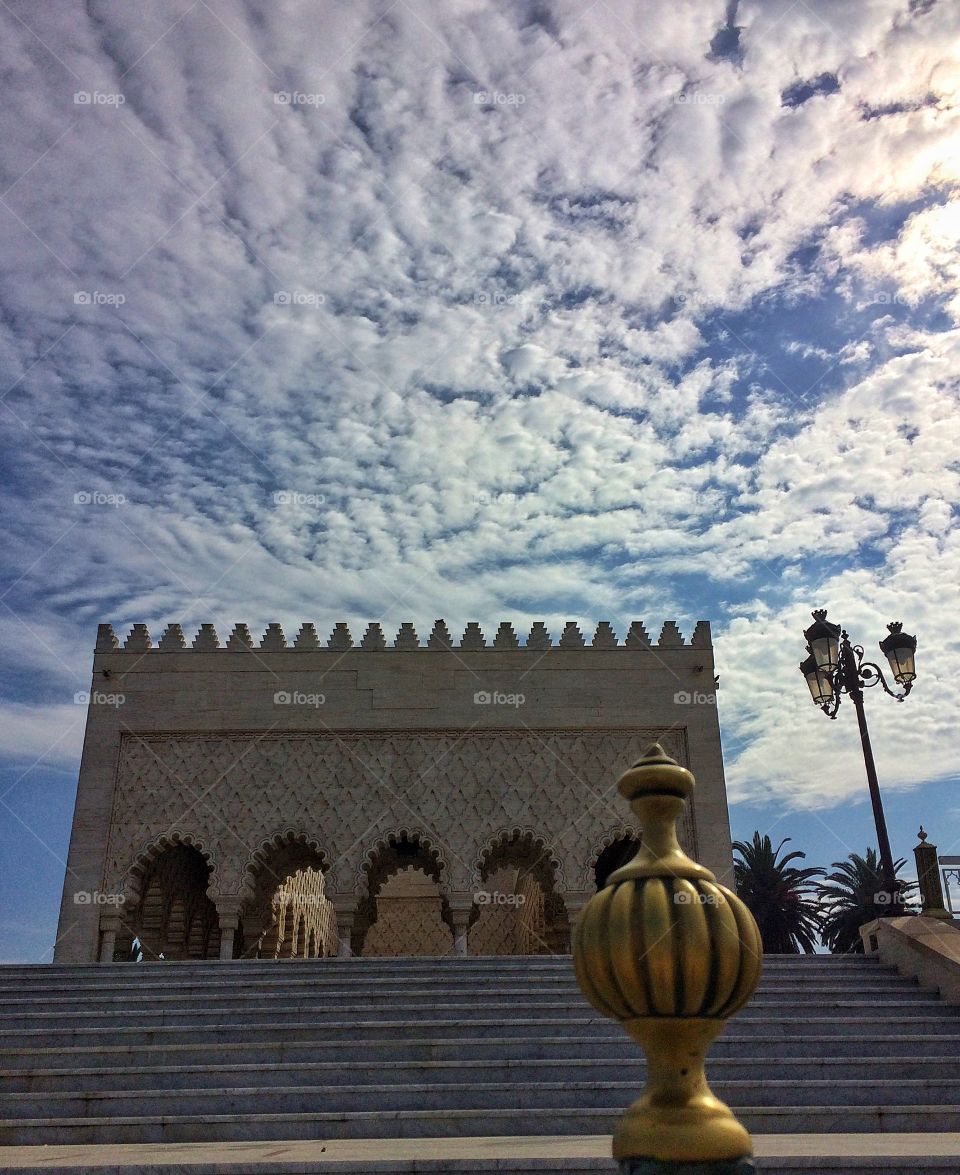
833 668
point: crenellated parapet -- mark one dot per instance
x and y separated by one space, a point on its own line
374 639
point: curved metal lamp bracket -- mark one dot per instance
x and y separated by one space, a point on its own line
868 674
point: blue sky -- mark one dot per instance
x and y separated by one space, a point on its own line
540 311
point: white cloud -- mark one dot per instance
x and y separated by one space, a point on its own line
489 297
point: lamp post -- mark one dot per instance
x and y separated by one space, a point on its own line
833 668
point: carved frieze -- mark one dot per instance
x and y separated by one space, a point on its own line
347 790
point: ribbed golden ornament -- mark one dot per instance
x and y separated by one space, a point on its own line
670 953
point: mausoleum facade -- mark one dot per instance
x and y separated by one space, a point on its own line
261 799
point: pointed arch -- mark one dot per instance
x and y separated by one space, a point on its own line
283 898
519 833
170 911
143 861
520 908
410 852
292 842
604 857
435 864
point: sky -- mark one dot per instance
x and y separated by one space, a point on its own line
520 310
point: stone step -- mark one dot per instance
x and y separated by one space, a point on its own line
396 964
563 1095
850 1010
603 1044
874 1022
447 969
565 1155
383 1123
158 980
306 1073
106 995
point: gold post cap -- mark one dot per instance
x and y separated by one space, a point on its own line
656 774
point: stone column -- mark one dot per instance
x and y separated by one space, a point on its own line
228 914
575 900
928 874
345 905
461 907
109 925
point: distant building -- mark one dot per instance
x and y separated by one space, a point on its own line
266 801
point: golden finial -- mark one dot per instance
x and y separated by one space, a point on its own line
671 954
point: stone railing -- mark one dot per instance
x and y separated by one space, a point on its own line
925 946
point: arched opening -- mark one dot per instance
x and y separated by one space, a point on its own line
617 853
518 910
174 918
289 916
405 912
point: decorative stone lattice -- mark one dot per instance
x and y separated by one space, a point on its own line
513 922
556 784
306 923
409 918
533 917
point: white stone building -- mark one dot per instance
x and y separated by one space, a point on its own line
266 800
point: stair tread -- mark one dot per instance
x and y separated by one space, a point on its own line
340 1066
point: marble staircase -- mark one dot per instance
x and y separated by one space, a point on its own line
151 1056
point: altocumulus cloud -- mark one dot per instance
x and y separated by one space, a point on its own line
507 309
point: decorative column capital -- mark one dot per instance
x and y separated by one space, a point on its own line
576 901
228 907
460 900
109 927
460 904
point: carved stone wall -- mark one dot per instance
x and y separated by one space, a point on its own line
229 793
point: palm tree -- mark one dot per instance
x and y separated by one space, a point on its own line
848 901
781 897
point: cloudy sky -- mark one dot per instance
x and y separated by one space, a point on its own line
529 310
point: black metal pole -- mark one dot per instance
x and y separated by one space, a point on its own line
891 906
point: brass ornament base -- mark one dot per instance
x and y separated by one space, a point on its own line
744 1166
678 1117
